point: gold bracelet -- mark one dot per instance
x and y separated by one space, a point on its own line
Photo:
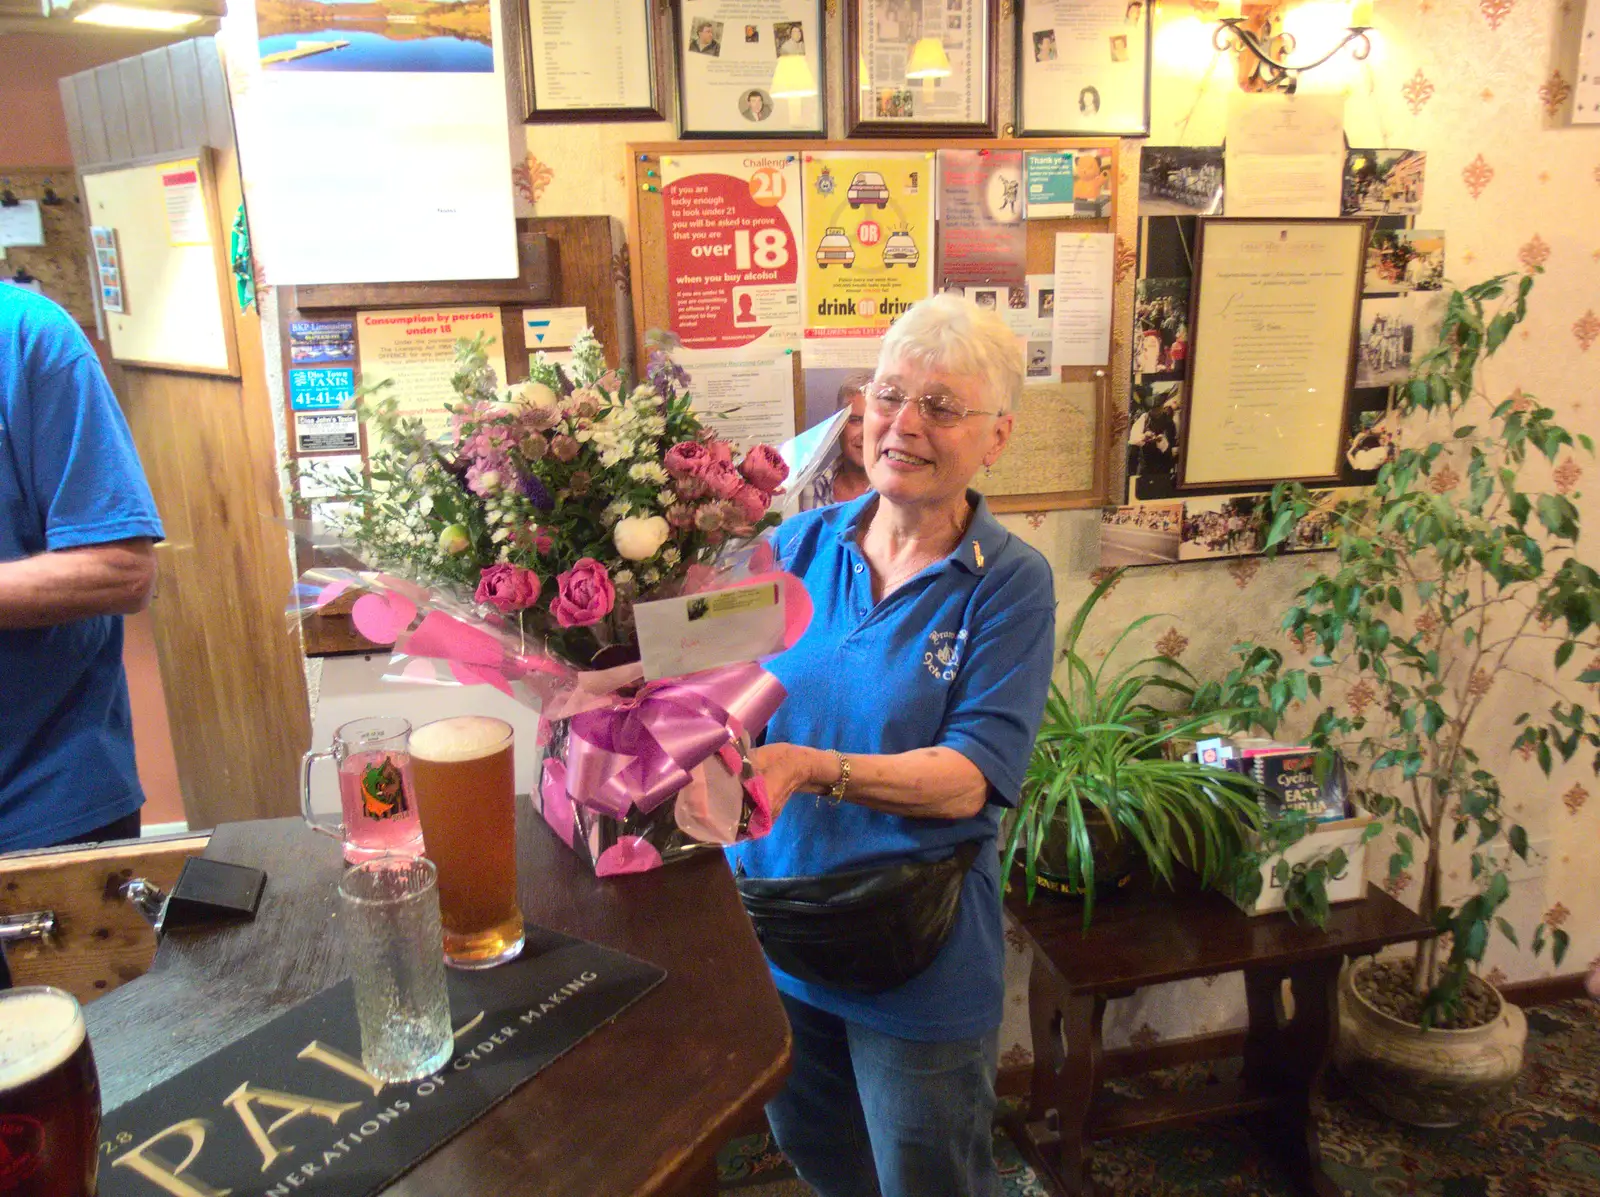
836 791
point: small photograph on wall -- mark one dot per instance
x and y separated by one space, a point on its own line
1226 526
1373 431
1404 260
1385 341
1180 181
1091 185
1155 440
1383 182
1142 534
1160 325
451 37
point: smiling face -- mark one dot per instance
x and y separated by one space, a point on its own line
912 462
707 35
852 439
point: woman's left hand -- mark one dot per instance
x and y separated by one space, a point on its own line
785 768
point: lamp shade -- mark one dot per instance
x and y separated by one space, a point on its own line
928 60
1361 14
1228 10
793 79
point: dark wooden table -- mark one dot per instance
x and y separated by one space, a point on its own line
1144 938
639 1107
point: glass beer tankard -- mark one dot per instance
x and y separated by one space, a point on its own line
466 796
49 1096
377 798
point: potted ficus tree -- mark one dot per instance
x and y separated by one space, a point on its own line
1452 608
1102 786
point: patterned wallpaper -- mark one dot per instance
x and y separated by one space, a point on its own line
1472 83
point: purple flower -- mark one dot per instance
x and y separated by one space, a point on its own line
537 493
665 375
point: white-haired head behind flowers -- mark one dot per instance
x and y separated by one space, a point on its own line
562 500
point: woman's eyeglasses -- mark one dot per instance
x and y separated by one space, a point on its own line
942 409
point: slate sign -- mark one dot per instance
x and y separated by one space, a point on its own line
289 1110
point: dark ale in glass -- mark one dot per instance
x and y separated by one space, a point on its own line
49 1096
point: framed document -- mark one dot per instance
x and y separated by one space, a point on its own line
750 68
585 60
1083 68
1272 349
918 68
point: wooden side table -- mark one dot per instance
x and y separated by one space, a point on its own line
1143 938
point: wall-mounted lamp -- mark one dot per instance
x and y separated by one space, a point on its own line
928 62
124 16
793 81
1235 32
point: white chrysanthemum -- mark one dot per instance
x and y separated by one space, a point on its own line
651 472
651 576
670 556
615 510
666 498
623 577
500 535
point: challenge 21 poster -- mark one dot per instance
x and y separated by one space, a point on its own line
868 247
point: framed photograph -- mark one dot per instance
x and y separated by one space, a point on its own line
746 69
585 60
1083 68
1272 349
919 68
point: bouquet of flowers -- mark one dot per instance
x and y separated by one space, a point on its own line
524 537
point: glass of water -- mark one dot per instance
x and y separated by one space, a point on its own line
391 912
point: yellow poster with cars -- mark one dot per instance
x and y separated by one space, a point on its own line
868 243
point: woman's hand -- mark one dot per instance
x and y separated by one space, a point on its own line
787 768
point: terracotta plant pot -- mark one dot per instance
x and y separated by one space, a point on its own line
1427 1078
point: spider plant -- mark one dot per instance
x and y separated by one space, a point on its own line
1106 746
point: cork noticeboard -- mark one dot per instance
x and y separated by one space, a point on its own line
176 281
61 264
1061 433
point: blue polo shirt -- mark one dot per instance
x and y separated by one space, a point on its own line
958 657
69 477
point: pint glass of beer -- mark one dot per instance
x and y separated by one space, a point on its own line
465 795
49 1096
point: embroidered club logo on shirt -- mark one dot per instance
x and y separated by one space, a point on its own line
944 658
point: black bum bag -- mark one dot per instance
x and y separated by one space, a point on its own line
865 930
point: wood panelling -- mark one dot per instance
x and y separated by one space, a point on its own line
165 101
230 662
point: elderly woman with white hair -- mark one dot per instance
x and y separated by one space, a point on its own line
913 700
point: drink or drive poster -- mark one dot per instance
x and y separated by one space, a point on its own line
868 240
732 222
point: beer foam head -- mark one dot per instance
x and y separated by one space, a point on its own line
464 738
39 1028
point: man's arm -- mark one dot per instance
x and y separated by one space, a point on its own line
70 584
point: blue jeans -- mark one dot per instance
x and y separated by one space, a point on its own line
865 1114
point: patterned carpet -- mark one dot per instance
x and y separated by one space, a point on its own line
1544 1143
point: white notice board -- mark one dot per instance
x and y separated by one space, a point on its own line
175 285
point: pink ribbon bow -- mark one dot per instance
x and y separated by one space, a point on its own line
638 752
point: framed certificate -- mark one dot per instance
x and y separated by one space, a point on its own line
1272 350
750 68
585 60
918 68
1083 68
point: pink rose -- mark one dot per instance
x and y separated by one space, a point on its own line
723 480
750 504
763 468
719 450
584 595
686 459
508 588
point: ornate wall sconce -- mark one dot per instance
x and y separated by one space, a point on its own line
1264 47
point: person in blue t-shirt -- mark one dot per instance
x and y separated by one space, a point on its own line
77 524
913 701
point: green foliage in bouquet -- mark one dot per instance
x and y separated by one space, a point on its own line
1447 576
561 501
